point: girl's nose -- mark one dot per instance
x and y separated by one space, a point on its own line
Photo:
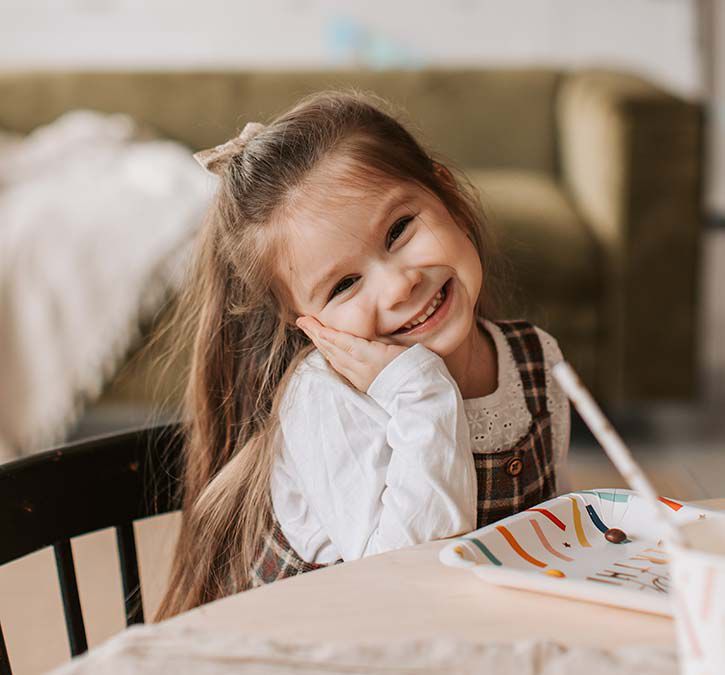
398 286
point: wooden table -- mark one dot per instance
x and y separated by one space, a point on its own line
410 594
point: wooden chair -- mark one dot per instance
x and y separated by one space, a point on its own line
106 481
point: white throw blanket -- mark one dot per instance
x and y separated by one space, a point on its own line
167 648
95 228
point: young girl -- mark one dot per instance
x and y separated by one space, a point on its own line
349 391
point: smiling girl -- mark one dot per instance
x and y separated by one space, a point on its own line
350 392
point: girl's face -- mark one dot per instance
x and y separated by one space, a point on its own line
367 260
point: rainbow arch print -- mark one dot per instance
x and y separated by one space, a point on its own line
578 527
505 532
546 543
596 519
483 549
675 506
625 497
607 495
599 524
550 516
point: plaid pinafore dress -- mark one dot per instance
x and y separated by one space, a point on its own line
509 480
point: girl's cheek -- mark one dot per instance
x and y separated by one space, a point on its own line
432 247
352 317
332 318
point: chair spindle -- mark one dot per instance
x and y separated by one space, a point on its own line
129 574
71 601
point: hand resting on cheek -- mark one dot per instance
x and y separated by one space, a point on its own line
355 358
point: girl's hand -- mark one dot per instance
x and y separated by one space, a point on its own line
357 359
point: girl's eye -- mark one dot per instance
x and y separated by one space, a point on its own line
399 230
395 231
339 288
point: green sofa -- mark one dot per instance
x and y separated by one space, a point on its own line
592 180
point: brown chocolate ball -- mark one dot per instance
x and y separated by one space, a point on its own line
615 535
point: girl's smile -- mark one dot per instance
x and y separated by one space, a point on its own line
435 312
370 260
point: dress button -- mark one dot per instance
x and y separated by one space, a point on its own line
514 466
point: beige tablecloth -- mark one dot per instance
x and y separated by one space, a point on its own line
155 649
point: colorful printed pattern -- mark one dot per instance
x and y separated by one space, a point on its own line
675 506
610 496
550 516
517 547
545 542
568 532
484 549
559 547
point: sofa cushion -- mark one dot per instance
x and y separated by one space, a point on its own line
550 253
472 116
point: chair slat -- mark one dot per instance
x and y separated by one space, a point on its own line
129 573
5 668
71 601
51 497
87 486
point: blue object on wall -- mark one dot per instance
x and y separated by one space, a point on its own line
350 42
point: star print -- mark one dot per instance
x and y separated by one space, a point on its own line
567 545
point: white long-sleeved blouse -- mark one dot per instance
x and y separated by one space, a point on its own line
363 473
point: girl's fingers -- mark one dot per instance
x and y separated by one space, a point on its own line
339 359
344 342
314 332
340 350
336 344
358 360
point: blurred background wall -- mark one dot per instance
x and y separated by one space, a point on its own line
658 38
672 42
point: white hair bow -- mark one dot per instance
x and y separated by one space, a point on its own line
216 159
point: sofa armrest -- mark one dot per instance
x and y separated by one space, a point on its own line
631 158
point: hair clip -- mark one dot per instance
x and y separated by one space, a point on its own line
215 159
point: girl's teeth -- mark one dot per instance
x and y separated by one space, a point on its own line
432 308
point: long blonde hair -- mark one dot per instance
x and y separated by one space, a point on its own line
245 344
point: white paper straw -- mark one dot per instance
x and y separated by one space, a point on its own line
612 443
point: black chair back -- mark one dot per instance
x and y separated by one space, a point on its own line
48 498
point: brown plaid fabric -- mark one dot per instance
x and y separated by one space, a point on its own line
508 481
513 480
278 560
